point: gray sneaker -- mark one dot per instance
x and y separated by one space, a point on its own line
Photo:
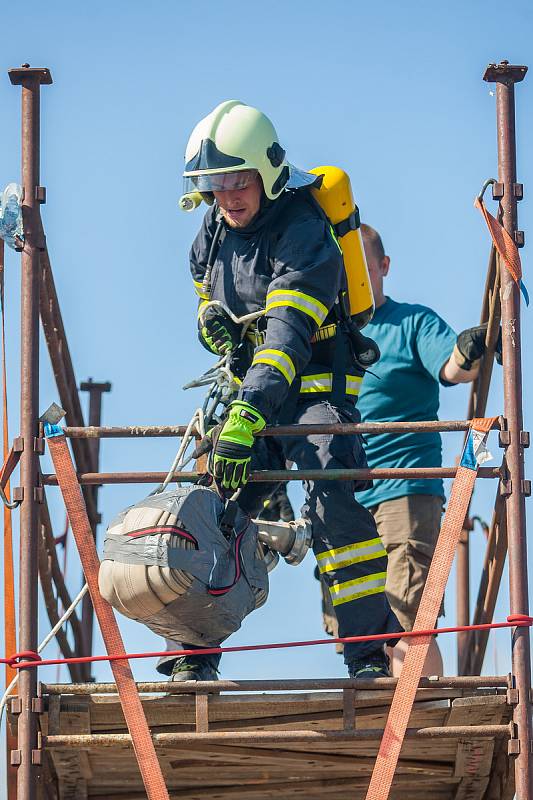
193 668
373 665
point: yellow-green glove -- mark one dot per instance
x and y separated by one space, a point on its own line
229 462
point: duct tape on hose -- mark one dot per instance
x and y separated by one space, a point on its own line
168 564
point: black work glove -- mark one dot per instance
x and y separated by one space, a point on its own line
470 346
218 332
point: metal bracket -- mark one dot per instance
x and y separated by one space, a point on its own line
512 697
16 705
38 445
506 488
525 485
513 747
518 191
37 755
504 438
16 758
38 494
498 191
18 444
40 194
519 238
524 438
37 705
18 494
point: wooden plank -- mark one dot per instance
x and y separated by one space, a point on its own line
72 767
309 758
475 756
202 713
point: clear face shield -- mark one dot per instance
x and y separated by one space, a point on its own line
219 181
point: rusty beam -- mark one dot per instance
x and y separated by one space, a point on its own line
151 431
284 685
276 476
273 737
489 585
505 76
30 80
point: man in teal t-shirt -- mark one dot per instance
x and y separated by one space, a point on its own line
419 354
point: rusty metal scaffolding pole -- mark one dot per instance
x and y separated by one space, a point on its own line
95 417
505 76
26 757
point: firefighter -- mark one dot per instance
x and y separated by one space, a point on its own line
264 244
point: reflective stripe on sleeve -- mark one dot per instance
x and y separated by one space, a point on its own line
316 383
353 384
198 288
277 359
290 298
350 554
360 587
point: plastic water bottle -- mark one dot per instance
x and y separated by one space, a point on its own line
11 214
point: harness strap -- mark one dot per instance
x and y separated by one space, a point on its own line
426 618
127 689
351 223
10 636
505 246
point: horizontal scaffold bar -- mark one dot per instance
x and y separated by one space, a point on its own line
151 431
272 737
279 685
277 476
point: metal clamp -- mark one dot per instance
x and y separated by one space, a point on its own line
8 503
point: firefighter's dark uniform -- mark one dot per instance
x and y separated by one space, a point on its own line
288 261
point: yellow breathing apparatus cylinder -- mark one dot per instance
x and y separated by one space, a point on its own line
334 196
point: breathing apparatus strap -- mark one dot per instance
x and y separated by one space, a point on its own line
351 223
218 238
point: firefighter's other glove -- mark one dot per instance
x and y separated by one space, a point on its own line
470 346
229 462
219 333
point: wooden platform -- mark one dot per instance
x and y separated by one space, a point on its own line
273 741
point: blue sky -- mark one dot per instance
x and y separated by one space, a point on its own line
392 92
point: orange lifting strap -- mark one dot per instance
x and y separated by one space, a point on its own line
426 618
127 689
10 635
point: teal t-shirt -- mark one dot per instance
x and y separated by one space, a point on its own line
415 343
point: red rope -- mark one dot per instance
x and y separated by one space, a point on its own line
514 620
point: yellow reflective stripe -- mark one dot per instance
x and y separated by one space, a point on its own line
353 384
302 302
350 554
324 383
360 587
202 305
198 288
279 360
316 383
324 333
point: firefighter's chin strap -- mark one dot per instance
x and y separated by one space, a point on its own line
474 454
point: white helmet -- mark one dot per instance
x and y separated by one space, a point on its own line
229 147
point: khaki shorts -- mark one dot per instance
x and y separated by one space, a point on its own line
409 527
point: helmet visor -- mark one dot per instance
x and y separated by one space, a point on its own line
220 181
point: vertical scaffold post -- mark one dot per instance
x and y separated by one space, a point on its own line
95 417
505 76
27 757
